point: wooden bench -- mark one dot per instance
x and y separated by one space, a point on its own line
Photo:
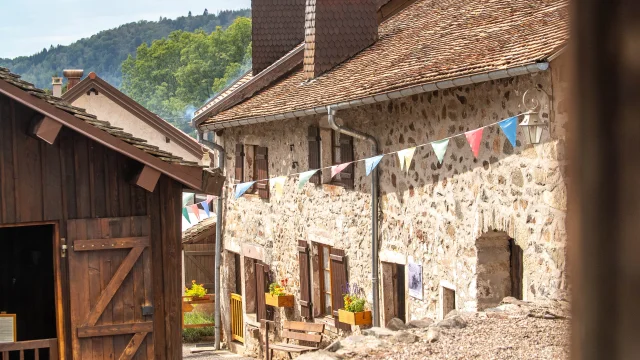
301 331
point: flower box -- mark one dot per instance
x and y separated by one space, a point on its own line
357 318
279 301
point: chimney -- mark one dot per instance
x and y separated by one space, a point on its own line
56 83
278 27
336 30
73 77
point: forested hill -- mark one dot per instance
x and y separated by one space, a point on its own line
105 51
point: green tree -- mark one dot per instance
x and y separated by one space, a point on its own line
173 76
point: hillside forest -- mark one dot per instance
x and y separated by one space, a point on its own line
104 52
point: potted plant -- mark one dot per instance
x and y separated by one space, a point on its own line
196 292
354 312
278 296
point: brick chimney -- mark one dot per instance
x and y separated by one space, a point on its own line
278 26
73 77
335 30
56 83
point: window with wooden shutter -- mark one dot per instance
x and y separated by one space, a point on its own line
342 152
305 279
262 171
239 169
346 154
314 153
338 284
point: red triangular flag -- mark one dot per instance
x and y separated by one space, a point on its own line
196 211
474 138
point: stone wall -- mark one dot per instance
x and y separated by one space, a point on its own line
432 215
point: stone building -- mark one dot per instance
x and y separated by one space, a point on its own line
467 231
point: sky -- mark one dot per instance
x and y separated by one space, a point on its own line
28 26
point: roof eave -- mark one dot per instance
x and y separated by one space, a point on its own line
531 68
183 174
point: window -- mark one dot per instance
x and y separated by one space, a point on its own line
252 163
325 279
342 152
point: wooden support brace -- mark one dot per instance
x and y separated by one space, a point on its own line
45 128
147 178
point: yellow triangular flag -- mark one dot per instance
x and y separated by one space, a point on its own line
405 156
278 184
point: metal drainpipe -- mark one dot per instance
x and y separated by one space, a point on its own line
374 208
216 286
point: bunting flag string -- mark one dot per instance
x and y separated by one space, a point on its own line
278 184
304 178
371 163
196 211
185 214
243 187
475 138
336 169
405 156
509 127
440 148
205 207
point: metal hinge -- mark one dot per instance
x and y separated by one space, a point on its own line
63 247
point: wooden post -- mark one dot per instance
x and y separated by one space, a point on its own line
45 128
604 194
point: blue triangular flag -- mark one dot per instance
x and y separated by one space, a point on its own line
205 207
242 188
371 163
509 126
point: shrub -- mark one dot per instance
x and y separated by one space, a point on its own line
196 334
196 290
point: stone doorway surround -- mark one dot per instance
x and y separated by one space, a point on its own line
388 261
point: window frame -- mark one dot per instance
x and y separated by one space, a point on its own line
324 289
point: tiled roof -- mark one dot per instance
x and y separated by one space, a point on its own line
428 41
197 231
223 94
79 113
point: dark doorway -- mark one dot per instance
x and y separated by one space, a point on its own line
27 281
516 269
393 291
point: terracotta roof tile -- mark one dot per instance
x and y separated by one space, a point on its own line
91 119
195 232
428 41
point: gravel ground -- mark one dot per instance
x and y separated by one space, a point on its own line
210 355
488 338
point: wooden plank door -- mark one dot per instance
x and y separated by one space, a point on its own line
199 264
111 288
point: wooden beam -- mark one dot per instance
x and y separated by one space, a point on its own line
132 348
45 128
115 243
114 329
147 178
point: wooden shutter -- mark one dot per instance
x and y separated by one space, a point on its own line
346 155
314 153
239 175
338 284
262 277
110 282
262 171
306 309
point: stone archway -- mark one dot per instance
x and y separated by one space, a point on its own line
499 269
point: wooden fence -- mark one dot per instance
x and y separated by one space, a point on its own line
237 322
31 347
199 264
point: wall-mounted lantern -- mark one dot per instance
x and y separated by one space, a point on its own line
532 124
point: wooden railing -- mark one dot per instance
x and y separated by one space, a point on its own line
33 346
237 322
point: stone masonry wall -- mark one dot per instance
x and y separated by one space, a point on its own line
432 215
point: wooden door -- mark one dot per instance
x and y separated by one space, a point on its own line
110 285
199 264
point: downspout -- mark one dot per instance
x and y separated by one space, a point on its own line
216 286
331 111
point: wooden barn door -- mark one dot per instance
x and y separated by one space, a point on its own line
110 285
199 264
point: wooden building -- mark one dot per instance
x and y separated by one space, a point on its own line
90 233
